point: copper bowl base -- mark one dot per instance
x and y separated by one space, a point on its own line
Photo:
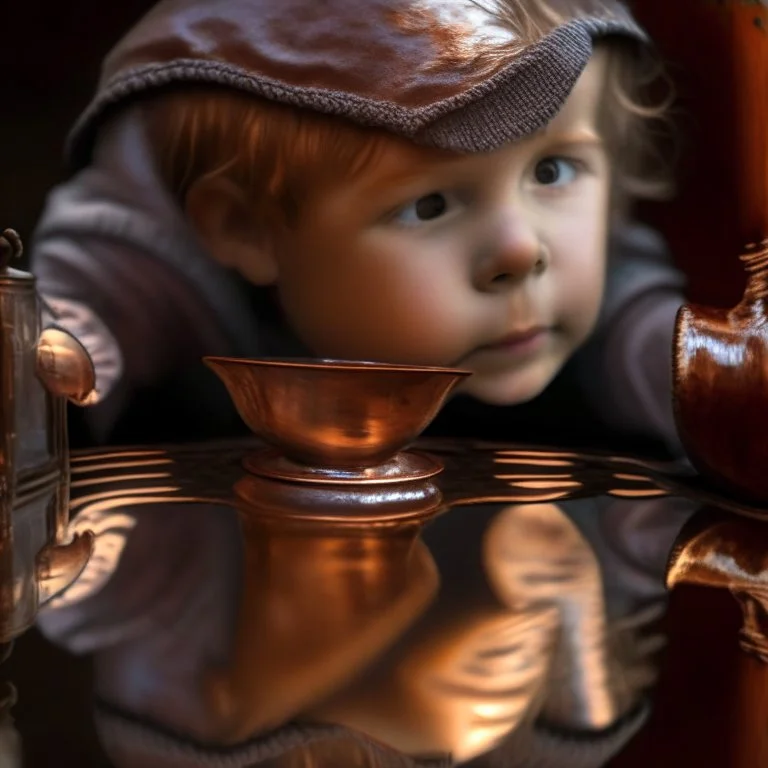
406 466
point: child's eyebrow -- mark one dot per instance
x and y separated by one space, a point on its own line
387 181
410 169
405 173
567 136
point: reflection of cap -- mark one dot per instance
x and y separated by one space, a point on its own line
407 66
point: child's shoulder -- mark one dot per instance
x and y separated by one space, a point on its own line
639 261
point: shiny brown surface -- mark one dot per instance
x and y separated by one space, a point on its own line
467 681
747 21
715 550
474 474
335 572
751 748
720 355
717 54
335 414
406 465
721 385
335 575
35 563
334 557
319 603
64 366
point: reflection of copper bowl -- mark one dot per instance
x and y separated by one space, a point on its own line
336 414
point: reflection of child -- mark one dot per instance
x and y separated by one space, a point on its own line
407 181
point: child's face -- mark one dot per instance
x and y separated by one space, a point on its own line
493 263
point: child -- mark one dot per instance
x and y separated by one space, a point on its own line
407 181
177 138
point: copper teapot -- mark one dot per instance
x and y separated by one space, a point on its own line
39 371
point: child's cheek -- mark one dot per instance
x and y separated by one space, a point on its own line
385 326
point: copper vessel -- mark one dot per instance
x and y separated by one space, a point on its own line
331 514
36 561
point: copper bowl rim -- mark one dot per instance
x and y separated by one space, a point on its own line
308 363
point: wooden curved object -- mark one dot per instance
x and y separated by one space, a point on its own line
721 356
720 370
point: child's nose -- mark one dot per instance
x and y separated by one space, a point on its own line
515 253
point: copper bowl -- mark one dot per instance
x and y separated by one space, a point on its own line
331 413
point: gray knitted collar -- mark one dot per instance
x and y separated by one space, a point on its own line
389 64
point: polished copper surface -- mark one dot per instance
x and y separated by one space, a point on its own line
38 557
320 602
406 465
35 559
364 504
466 682
64 366
331 543
335 414
336 574
475 473
722 551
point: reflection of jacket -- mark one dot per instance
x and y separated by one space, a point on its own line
538 644
115 256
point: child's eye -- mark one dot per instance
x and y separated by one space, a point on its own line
556 171
426 208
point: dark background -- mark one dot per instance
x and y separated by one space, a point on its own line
49 59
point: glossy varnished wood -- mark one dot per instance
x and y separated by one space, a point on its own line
721 356
711 709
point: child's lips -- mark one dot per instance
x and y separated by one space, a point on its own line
521 340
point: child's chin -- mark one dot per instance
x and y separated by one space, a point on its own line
508 389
